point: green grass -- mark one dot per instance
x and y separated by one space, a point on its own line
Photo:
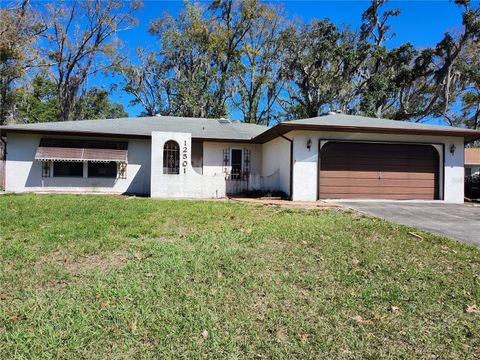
114 277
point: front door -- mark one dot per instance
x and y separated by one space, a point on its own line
236 164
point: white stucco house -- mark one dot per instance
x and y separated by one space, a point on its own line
327 157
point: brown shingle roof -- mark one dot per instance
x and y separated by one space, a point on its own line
472 156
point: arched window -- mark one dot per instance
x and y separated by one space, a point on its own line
171 158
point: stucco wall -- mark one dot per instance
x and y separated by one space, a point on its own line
276 164
305 167
188 183
23 173
213 156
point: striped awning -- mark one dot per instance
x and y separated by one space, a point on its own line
81 151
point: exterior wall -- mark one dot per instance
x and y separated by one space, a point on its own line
276 164
305 167
213 157
23 173
188 183
213 164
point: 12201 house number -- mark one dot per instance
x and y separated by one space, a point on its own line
185 157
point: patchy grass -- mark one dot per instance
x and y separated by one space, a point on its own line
114 277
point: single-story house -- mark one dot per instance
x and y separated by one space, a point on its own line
472 161
334 156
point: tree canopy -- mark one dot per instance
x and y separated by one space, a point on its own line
230 56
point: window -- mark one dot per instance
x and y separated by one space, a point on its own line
468 171
236 164
102 169
171 158
70 169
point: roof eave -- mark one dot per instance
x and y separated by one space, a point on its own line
283 128
75 133
7 130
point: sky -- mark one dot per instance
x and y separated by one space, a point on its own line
423 23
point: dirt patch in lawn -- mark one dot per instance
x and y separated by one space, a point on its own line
82 263
287 203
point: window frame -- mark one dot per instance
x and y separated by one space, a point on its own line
167 169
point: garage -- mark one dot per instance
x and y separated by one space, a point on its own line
356 170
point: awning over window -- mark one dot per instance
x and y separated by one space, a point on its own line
73 150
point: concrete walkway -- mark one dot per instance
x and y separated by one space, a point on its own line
456 221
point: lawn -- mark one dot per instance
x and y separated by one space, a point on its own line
117 277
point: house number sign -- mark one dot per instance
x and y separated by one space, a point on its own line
184 157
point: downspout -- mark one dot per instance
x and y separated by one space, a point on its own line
291 163
4 163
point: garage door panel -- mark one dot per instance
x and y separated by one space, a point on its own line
378 196
375 168
402 161
379 154
375 182
378 171
374 175
347 162
389 190
346 149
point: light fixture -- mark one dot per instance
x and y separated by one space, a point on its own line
309 144
452 149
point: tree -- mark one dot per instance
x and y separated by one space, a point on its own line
148 83
379 68
80 49
319 64
96 104
186 59
38 102
19 31
326 67
428 88
205 55
231 22
257 84
466 92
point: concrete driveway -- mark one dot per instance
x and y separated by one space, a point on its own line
456 221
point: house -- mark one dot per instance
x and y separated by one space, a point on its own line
472 161
334 156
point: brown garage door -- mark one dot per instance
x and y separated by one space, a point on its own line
378 171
